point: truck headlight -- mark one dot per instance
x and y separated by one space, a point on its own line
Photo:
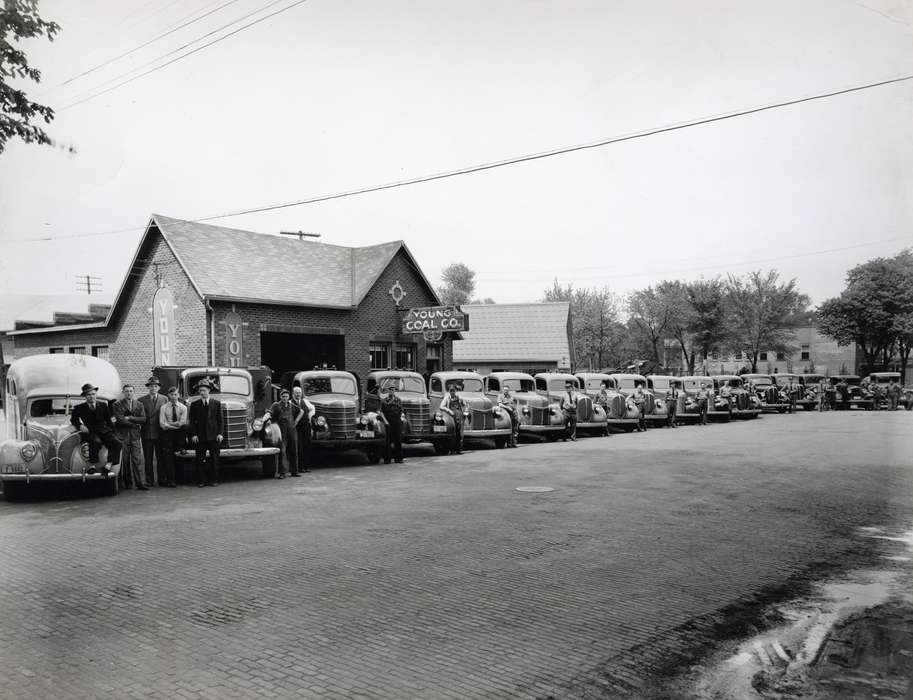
496 410
321 422
466 413
526 410
439 417
362 421
552 410
258 425
28 451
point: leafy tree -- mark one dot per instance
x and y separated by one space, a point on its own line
650 312
459 284
763 313
707 320
596 331
19 20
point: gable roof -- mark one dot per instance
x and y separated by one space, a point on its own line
229 264
515 333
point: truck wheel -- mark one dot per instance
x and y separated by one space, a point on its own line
373 456
500 441
268 464
110 487
441 448
13 492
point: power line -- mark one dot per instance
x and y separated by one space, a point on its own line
508 161
145 44
189 53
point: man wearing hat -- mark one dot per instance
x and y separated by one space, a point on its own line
286 415
93 420
455 406
205 429
129 418
152 431
569 406
391 411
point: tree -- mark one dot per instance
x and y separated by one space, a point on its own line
763 313
875 310
649 312
707 321
596 330
680 316
19 20
459 284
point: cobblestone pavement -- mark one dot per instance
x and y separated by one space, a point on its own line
437 578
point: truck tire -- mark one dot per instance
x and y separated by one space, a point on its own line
110 486
373 456
441 447
268 464
500 441
13 492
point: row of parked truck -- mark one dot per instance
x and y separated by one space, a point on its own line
40 392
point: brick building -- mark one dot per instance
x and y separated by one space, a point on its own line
516 337
197 294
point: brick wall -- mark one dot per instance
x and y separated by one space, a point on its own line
129 338
376 319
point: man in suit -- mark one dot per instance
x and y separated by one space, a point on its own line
152 431
129 418
304 429
391 411
569 406
93 420
455 406
206 434
172 421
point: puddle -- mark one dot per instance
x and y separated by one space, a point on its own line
850 638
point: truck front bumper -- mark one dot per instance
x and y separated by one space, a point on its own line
30 478
231 453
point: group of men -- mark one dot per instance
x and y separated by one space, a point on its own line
292 413
144 433
834 396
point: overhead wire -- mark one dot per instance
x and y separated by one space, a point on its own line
507 161
188 53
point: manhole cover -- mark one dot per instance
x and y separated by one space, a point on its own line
535 489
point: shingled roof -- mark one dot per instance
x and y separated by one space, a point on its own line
514 333
306 273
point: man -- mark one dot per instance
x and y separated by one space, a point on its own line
391 410
205 422
822 395
877 395
507 402
287 416
640 400
152 445
843 390
304 429
893 392
93 420
703 402
792 392
830 396
569 407
455 406
671 405
172 421
129 418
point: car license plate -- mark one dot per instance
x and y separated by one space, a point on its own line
365 433
440 428
14 469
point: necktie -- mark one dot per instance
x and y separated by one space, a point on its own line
174 413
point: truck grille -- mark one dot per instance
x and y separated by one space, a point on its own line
539 415
340 420
741 401
235 426
482 419
419 416
584 409
649 404
770 396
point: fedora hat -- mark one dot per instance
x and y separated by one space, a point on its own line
153 380
203 382
86 388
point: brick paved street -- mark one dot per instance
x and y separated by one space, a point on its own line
437 578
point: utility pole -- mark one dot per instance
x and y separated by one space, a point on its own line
300 234
88 284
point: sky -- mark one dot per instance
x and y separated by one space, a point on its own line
331 96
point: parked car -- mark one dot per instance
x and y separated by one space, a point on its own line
338 422
811 386
718 406
537 415
857 396
654 411
419 425
773 399
245 394
662 384
883 379
42 446
591 418
804 399
742 403
621 413
482 417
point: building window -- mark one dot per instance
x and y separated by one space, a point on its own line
762 356
806 355
404 357
781 355
433 358
380 355
77 349
100 351
54 351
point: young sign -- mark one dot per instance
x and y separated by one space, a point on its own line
445 319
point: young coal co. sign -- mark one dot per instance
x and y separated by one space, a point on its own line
163 327
435 318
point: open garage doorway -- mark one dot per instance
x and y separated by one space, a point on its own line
293 352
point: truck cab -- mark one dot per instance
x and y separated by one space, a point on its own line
536 414
742 402
591 418
482 417
717 405
418 423
42 445
654 411
621 413
773 399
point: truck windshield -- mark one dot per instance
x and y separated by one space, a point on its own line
630 383
661 384
762 381
222 384
414 384
328 385
519 384
58 406
695 384
468 384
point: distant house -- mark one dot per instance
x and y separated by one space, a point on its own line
517 337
